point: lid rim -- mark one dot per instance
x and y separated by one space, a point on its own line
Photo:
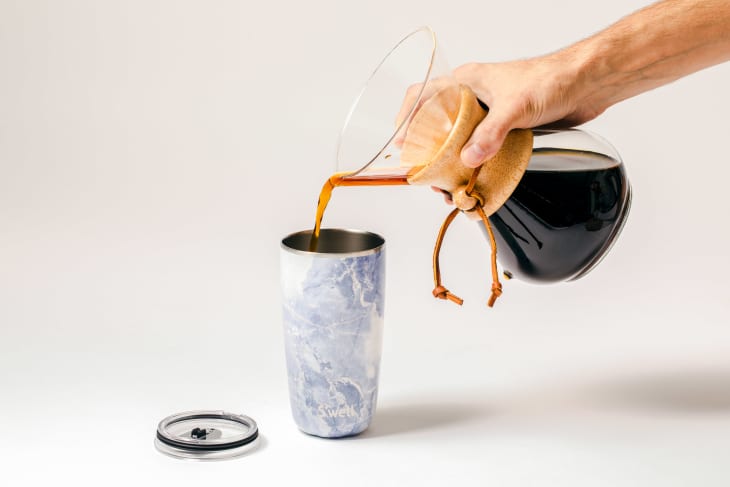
209 447
194 445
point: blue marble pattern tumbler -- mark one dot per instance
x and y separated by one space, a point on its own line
333 325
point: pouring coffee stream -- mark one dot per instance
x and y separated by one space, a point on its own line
431 146
552 209
439 290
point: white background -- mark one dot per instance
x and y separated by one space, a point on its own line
152 155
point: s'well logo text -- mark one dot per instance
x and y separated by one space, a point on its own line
346 411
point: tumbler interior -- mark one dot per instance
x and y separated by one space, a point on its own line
335 241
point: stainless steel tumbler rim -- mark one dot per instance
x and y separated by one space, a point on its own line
335 243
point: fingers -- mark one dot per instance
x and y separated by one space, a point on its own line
486 139
447 196
410 97
416 95
406 107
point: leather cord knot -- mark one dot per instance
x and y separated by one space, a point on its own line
466 200
496 292
443 293
439 290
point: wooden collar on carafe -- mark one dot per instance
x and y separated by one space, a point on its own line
466 200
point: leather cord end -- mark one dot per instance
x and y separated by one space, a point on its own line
496 292
441 292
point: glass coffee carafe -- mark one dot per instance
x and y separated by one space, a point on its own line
567 209
565 212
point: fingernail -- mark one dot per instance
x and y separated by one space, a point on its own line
473 155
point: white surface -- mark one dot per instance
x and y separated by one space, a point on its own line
139 241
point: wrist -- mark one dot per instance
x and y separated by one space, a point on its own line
582 72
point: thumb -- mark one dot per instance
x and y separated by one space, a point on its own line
486 139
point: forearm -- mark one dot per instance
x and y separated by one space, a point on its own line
649 48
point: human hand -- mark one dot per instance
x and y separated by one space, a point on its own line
523 94
447 196
412 94
544 91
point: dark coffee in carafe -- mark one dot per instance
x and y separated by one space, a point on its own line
565 214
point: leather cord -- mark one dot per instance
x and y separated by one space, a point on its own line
439 291
472 182
496 285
